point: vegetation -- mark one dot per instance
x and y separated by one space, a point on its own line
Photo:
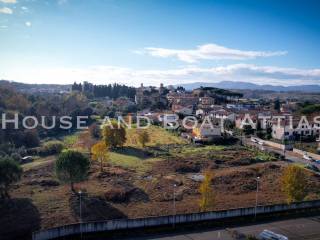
72 167
294 182
310 108
10 172
247 130
207 194
100 153
277 105
113 91
51 148
114 135
143 137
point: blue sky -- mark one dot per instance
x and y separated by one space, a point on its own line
153 41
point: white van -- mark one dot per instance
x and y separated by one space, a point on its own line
268 235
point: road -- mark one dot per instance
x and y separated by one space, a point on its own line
289 155
294 229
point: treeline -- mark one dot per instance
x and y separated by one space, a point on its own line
113 91
52 106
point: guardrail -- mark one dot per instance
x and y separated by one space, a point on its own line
125 224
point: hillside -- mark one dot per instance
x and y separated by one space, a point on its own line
252 86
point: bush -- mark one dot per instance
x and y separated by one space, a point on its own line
51 148
16 157
10 172
31 138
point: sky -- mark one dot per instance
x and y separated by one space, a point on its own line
160 41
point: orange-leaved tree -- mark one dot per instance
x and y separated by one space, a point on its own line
294 182
100 152
207 194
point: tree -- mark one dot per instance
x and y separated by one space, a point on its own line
100 153
143 137
10 172
277 105
248 130
114 135
72 167
95 131
294 182
31 138
207 193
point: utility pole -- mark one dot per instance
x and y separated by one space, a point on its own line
174 205
80 207
255 209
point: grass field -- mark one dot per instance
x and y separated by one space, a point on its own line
158 136
134 157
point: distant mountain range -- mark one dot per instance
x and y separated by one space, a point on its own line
252 86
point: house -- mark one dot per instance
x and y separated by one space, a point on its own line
223 114
146 96
289 129
183 110
185 99
206 132
206 102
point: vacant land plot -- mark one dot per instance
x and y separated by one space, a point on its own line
139 182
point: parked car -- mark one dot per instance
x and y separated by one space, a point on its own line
317 161
268 235
26 159
254 140
307 157
312 167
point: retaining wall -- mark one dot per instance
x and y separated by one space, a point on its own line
125 224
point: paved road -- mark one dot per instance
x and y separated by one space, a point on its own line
294 229
289 155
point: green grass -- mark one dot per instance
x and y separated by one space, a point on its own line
190 149
71 139
158 136
131 162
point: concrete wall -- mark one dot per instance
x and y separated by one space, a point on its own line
125 224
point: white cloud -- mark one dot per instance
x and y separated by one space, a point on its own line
209 52
24 9
28 24
110 74
6 10
8 1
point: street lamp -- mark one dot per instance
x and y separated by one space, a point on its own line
255 209
174 204
80 207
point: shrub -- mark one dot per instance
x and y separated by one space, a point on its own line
10 172
52 147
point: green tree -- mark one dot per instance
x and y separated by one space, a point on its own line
114 135
294 182
143 137
247 130
277 105
207 194
10 172
72 167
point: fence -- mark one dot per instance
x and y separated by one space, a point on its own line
125 224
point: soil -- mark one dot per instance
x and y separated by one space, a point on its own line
122 193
